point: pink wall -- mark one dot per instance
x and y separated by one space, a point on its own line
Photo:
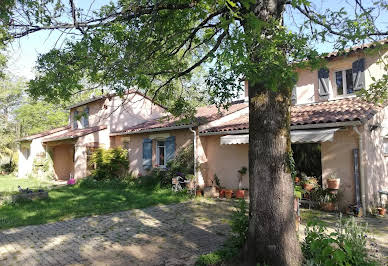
337 158
183 138
223 160
63 161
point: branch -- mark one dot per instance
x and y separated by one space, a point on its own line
197 64
328 27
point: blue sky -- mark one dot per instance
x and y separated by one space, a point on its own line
24 52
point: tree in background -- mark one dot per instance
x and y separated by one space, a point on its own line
156 45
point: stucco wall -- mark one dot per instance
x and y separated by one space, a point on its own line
63 161
225 161
375 162
36 147
183 138
96 139
119 113
337 158
307 84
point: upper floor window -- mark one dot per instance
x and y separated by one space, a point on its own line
75 119
344 82
85 117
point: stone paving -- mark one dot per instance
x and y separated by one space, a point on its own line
161 235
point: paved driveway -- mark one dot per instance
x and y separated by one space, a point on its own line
160 235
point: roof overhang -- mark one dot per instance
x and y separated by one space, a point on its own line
234 139
152 130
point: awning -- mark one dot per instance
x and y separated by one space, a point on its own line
235 139
313 135
297 136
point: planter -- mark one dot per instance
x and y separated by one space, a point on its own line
333 183
297 179
308 187
198 193
240 193
210 192
228 193
222 193
382 211
328 206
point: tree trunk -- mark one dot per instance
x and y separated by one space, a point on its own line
272 238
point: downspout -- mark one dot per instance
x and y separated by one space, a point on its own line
362 176
195 153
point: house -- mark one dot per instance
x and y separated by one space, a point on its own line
351 135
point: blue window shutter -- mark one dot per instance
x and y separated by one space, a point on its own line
358 68
86 117
147 154
75 124
323 81
170 148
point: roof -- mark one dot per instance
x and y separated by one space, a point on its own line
45 133
74 133
357 48
340 110
204 115
102 97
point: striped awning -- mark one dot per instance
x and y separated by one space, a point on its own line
297 136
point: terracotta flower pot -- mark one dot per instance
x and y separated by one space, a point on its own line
308 186
297 179
382 211
333 183
228 193
328 206
240 193
222 193
199 193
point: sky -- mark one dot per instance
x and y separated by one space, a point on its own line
23 53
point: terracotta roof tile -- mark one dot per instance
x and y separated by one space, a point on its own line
204 115
74 133
341 110
357 48
44 133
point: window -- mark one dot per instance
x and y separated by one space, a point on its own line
85 117
161 153
26 153
344 82
75 120
385 146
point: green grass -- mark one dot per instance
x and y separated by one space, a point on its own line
9 184
77 201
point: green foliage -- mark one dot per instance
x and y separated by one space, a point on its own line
231 249
298 191
37 116
321 195
109 163
240 222
182 165
345 246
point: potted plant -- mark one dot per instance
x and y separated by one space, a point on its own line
228 193
382 210
240 193
212 191
328 201
333 182
310 183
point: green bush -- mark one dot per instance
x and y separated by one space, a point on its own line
345 246
182 165
239 223
109 163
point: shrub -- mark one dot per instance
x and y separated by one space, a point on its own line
182 165
345 246
109 163
239 225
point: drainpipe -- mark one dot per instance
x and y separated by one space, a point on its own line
195 152
362 176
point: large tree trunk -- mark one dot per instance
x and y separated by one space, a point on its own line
272 238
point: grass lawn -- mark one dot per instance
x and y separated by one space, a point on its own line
9 184
76 201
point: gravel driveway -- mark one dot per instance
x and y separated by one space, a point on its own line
160 235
